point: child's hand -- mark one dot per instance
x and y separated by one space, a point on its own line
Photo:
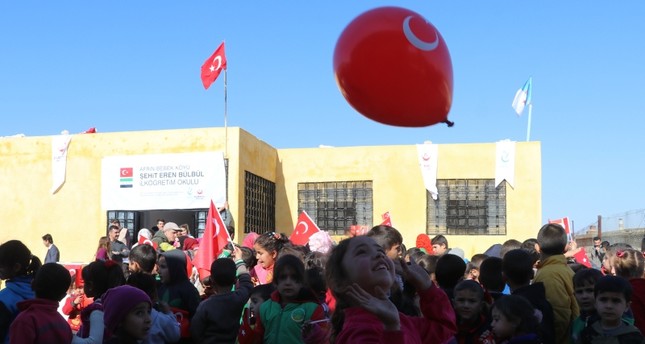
416 275
378 305
237 252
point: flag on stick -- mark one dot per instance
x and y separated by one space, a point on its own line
304 229
566 224
582 258
213 66
387 220
522 97
213 242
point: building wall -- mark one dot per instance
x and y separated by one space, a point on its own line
398 185
73 216
76 221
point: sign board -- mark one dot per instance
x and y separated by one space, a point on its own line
163 181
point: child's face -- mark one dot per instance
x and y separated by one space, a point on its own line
468 305
255 301
503 328
138 321
610 307
473 274
264 257
288 285
584 296
394 252
366 264
164 272
438 249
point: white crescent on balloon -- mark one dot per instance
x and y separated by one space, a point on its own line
416 41
304 224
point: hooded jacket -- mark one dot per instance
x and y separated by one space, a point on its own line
178 292
16 289
557 277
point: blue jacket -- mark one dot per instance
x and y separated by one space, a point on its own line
17 289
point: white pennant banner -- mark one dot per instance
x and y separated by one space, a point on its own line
60 143
505 162
428 157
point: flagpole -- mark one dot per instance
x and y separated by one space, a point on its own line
528 128
226 115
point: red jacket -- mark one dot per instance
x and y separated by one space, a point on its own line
74 311
638 302
438 324
39 322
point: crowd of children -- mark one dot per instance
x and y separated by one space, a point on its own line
363 289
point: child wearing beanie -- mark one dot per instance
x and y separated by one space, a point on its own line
126 314
39 320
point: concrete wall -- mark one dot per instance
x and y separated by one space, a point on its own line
76 221
398 185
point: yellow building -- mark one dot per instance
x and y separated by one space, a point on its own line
265 188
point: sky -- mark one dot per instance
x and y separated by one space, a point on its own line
133 66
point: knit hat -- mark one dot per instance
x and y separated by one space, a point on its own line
424 243
118 302
320 242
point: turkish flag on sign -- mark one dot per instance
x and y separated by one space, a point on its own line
213 242
304 229
581 258
126 172
387 220
213 66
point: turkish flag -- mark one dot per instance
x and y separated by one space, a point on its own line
387 220
581 258
213 242
213 66
126 172
565 223
304 229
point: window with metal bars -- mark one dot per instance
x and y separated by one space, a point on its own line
467 207
259 204
336 206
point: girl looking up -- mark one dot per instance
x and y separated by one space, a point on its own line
359 274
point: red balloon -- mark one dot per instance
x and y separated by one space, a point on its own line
393 66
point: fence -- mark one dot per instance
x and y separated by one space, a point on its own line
627 227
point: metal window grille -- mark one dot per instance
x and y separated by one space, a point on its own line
336 206
259 204
128 219
467 207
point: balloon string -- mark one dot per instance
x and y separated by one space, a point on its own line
449 123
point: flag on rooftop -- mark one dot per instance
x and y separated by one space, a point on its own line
523 97
213 66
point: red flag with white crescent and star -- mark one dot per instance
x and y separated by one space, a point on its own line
213 66
387 220
212 243
582 258
305 227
